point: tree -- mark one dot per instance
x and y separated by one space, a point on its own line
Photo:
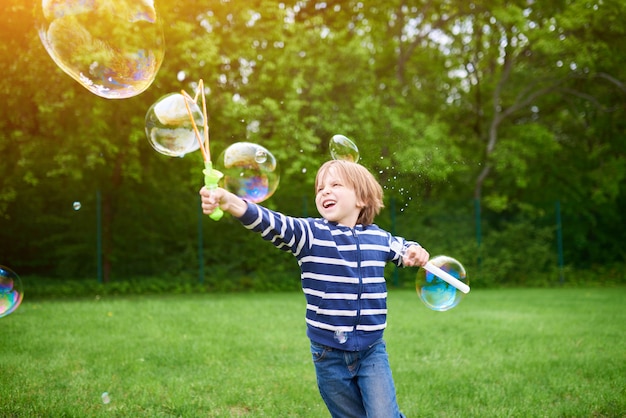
514 104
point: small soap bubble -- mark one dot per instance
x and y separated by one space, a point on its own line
106 399
342 148
260 156
169 128
245 174
76 205
341 336
437 294
11 292
112 48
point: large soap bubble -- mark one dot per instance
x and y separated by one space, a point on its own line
169 128
436 293
11 292
113 48
250 171
342 148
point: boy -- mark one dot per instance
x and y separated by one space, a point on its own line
342 257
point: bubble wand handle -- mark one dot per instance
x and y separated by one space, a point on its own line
211 178
446 277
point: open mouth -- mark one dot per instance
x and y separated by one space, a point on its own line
329 204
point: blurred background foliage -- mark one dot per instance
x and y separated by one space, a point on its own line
497 128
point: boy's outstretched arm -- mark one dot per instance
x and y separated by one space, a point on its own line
227 201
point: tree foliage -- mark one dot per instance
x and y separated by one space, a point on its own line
464 111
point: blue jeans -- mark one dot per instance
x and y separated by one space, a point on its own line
356 384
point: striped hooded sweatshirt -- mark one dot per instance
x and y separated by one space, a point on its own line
342 273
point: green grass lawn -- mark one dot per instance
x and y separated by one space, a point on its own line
499 353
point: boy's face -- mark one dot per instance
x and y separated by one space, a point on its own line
336 201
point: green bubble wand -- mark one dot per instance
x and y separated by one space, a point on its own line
211 176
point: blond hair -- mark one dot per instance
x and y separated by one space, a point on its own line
368 191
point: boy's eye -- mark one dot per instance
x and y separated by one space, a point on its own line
331 185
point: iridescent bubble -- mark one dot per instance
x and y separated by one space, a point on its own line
342 148
106 399
341 336
247 175
112 48
76 205
11 292
260 156
169 128
437 294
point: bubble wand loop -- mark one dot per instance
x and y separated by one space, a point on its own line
211 176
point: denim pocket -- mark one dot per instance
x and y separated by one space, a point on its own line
318 351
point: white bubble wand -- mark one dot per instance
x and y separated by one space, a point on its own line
446 277
437 271
211 176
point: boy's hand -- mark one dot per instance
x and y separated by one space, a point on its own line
213 198
415 256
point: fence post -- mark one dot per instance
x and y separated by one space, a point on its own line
559 240
99 235
478 231
305 208
200 245
392 210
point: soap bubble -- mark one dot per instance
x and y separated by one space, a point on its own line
250 171
342 148
76 205
169 128
11 292
106 399
260 156
341 336
112 48
436 293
